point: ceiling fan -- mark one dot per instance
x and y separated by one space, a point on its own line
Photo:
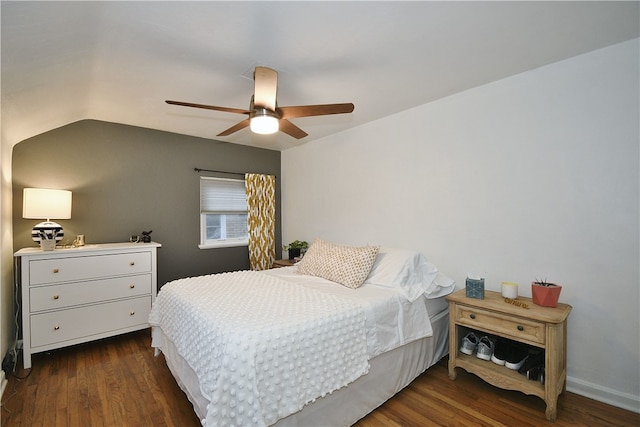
265 116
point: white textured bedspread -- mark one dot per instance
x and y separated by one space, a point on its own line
261 346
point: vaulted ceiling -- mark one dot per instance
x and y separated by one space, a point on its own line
118 61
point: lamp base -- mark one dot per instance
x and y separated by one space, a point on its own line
47 230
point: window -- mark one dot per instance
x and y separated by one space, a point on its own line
223 213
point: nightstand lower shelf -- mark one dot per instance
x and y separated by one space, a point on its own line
498 376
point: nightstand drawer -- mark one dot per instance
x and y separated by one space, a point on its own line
519 329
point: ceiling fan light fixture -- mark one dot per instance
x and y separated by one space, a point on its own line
264 122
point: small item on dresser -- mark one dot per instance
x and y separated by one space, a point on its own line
475 287
517 303
79 241
47 245
545 294
146 236
510 290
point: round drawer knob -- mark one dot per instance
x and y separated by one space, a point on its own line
473 316
520 328
132 286
132 263
56 297
132 313
56 270
55 328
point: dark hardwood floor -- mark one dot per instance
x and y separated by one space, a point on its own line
118 382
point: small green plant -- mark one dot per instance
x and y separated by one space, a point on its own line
296 244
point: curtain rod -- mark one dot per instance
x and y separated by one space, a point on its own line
217 171
212 170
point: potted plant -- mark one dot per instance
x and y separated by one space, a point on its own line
545 294
295 248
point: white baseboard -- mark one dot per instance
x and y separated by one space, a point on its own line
603 394
3 383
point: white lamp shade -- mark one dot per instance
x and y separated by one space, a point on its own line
44 203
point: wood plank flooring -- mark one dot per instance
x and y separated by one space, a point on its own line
118 382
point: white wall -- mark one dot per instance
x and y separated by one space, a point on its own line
534 176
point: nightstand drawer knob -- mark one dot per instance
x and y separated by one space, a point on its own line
55 328
132 263
473 316
56 297
520 328
56 270
133 313
131 286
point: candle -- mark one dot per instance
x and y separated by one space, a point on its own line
509 290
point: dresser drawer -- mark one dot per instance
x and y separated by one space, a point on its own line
66 325
78 293
516 328
88 267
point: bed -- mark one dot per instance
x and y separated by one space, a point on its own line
321 343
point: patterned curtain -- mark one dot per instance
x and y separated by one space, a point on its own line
261 201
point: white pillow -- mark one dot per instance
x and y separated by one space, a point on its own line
409 272
347 265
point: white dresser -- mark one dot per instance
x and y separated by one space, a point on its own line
70 296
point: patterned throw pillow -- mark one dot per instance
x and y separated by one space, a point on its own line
347 265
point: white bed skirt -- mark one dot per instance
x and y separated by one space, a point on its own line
390 372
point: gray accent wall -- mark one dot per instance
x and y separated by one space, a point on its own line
127 179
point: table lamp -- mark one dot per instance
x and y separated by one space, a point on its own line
45 203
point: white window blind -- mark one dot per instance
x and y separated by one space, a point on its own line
219 195
223 213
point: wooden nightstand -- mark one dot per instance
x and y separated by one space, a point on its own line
542 327
282 263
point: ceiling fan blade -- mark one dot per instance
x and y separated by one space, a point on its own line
208 107
290 129
240 125
265 88
314 110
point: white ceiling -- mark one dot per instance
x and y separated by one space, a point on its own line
119 61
